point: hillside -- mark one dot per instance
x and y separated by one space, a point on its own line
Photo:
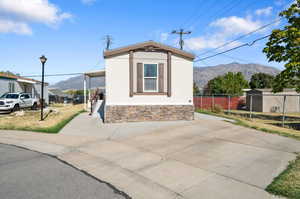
201 75
77 83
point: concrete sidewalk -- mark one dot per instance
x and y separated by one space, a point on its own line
203 158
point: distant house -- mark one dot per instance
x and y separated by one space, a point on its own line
148 81
57 96
263 100
14 84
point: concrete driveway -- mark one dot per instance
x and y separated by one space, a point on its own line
205 158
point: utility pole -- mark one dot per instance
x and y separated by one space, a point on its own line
108 41
181 33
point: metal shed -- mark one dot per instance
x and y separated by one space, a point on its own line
264 100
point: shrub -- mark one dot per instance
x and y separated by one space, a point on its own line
217 109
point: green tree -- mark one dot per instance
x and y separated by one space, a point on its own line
230 84
261 80
284 46
196 89
76 92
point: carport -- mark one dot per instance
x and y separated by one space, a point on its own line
87 84
27 86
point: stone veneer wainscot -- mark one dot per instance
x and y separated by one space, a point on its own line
134 113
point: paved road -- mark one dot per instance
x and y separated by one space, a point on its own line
26 174
205 158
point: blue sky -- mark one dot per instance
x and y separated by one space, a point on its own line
70 32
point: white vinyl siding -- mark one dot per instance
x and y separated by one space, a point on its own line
117 80
11 87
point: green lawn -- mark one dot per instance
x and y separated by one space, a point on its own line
258 124
288 182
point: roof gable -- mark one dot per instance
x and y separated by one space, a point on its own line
148 46
7 76
15 77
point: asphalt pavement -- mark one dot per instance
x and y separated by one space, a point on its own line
26 174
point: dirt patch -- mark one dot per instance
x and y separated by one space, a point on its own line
30 120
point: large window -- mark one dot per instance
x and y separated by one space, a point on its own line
150 77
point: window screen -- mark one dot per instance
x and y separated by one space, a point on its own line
150 77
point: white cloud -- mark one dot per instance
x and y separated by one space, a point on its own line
8 26
264 11
88 2
236 25
22 12
225 28
205 42
33 10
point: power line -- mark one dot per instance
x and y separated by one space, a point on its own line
228 7
236 58
245 35
192 19
241 37
231 49
195 13
53 75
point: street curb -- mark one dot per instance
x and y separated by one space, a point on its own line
115 190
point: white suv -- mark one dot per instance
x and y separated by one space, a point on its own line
15 101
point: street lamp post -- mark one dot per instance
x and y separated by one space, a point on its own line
43 61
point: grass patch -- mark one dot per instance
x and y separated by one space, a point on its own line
269 129
57 118
266 116
288 182
208 112
258 124
295 114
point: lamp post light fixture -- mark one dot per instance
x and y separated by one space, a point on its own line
43 61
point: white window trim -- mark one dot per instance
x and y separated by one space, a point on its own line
157 75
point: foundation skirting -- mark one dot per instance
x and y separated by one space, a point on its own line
130 113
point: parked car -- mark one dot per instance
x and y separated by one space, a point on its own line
15 101
79 99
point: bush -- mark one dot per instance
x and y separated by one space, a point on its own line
217 109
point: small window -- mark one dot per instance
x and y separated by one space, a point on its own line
150 77
26 96
11 87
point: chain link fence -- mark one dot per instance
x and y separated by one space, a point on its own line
226 102
284 107
278 109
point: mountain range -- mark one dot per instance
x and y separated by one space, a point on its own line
76 83
201 75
